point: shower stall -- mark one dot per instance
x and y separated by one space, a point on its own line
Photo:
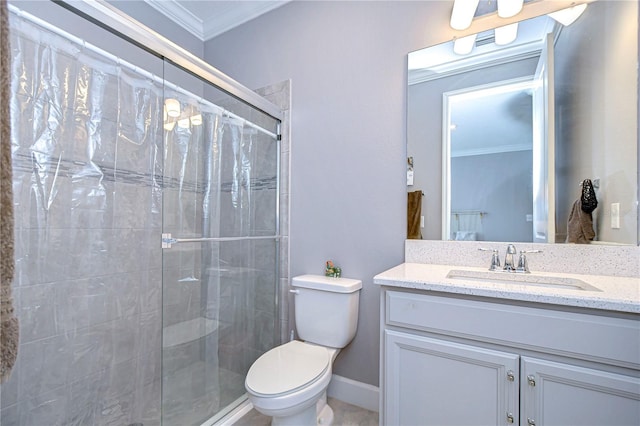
150 227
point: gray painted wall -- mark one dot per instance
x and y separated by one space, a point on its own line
347 62
502 191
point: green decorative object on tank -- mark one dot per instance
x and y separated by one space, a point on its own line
331 270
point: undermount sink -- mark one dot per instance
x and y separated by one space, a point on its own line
499 277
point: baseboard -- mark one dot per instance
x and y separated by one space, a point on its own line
355 393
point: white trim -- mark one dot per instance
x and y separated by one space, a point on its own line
355 393
180 15
532 50
446 167
227 16
232 17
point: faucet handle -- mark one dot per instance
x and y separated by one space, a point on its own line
523 264
495 259
509 261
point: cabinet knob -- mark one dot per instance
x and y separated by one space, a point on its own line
531 380
510 376
509 417
531 422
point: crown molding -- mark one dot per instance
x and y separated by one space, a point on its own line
219 18
473 63
180 15
230 17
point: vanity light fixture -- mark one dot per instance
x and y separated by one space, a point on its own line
464 45
568 16
169 125
509 8
506 34
172 107
462 14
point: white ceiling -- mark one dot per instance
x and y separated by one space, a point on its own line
207 19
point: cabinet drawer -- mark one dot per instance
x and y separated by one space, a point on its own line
597 338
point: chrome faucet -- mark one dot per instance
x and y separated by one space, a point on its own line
523 264
495 259
509 260
509 263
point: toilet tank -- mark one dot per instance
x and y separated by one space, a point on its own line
326 309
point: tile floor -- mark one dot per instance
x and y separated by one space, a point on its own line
344 415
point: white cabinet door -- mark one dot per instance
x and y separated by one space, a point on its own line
563 394
436 382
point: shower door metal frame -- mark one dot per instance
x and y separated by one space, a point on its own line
114 20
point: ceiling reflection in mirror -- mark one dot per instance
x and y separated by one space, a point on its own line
480 160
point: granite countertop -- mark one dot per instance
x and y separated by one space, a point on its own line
610 293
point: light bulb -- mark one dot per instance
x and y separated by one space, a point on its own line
462 13
173 107
464 45
509 8
506 34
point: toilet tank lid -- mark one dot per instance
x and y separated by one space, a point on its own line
320 282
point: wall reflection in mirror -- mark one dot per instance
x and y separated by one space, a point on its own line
502 138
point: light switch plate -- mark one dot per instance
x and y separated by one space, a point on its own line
615 215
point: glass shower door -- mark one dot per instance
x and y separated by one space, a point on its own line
220 247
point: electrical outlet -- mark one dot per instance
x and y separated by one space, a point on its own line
615 215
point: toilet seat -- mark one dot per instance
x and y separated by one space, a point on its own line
287 368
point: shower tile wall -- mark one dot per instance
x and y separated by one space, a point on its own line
280 95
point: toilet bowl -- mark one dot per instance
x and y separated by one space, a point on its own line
289 382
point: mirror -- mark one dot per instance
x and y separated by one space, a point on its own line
500 140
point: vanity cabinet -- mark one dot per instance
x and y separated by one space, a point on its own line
565 394
460 360
433 381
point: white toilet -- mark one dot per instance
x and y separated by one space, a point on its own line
289 382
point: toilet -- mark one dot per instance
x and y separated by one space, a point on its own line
289 383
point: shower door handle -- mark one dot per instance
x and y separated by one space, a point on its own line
168 240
